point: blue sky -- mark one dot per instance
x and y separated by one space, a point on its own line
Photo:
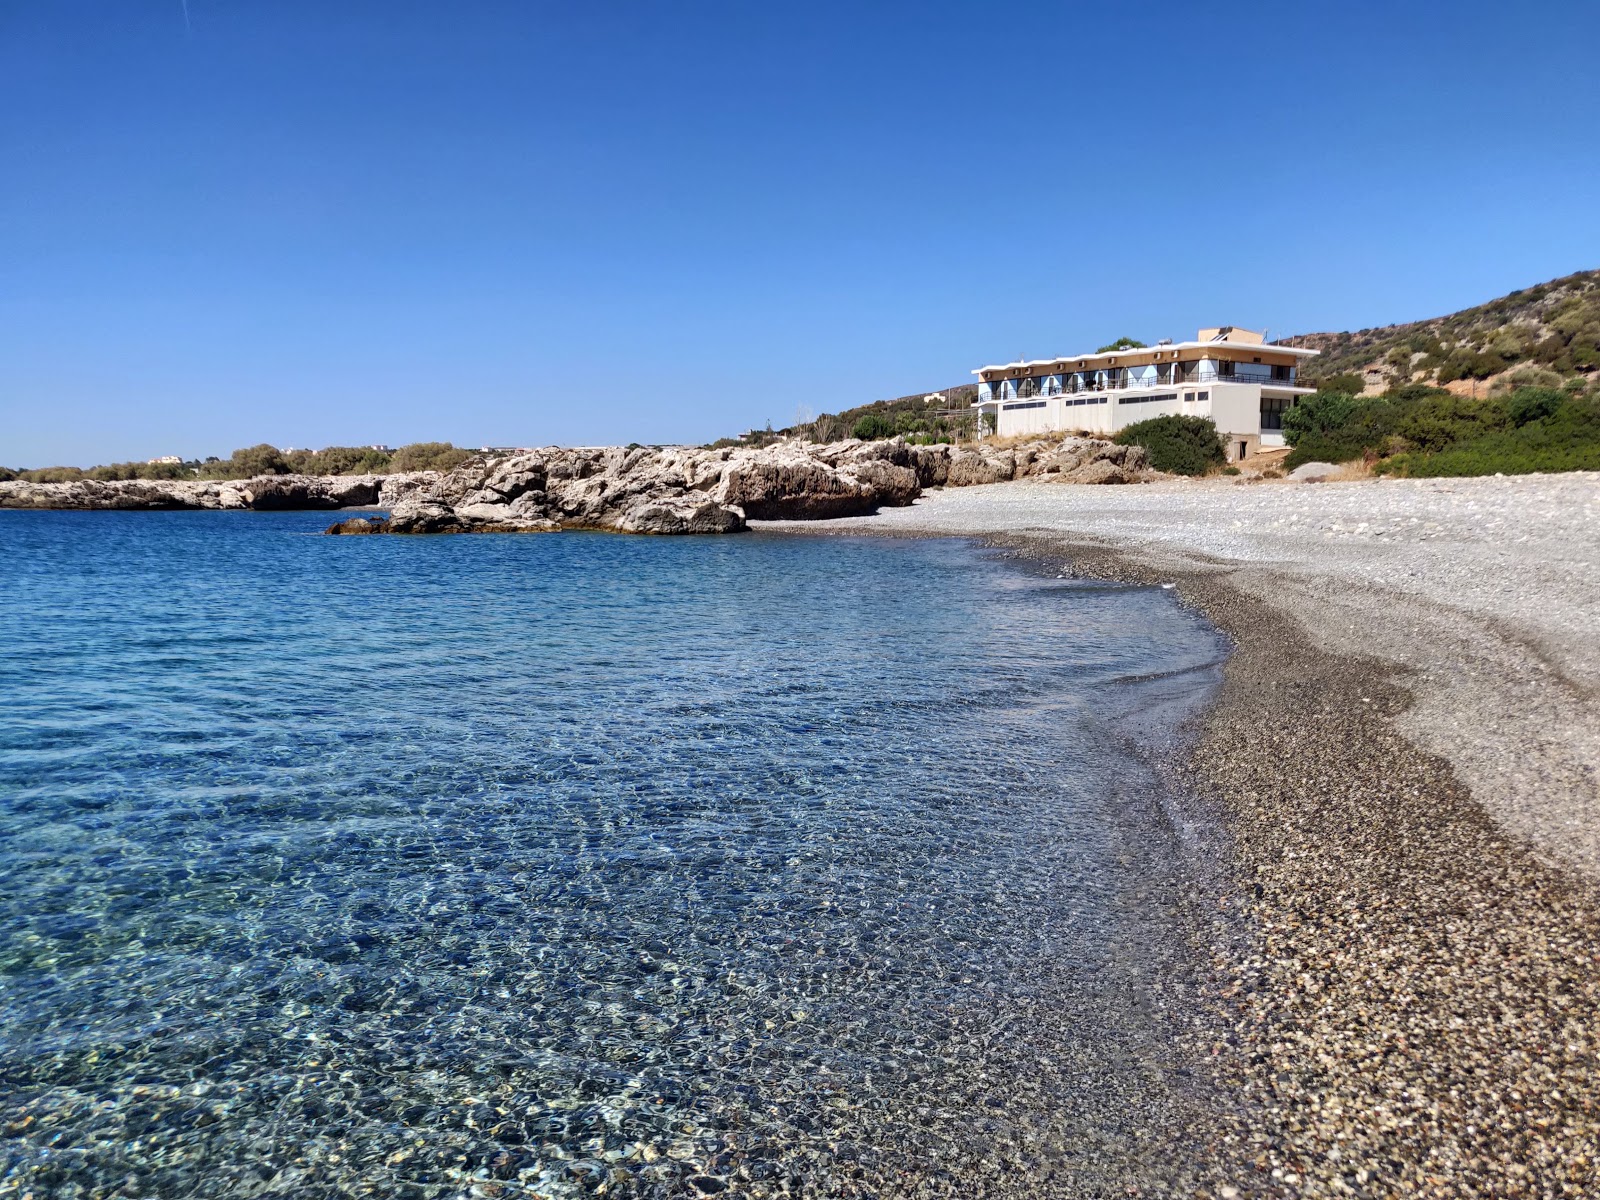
519 223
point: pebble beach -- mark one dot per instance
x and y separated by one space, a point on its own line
1402 764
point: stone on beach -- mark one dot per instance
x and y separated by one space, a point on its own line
1313 472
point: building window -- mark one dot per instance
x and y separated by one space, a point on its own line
1201 397
1024 404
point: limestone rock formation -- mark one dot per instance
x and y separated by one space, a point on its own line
262 492
680 489
639 489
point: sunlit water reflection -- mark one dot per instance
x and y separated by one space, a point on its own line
577 865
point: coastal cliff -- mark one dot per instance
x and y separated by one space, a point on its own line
682 490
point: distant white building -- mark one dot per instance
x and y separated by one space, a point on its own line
163 460
1228 374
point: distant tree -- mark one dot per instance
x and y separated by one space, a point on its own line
51 474
7 474
262 459
1122 343
428 456
873 427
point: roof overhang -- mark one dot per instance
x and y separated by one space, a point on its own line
1095 361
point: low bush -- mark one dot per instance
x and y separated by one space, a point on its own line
1181 445
1526 377
1532 429
1337 427
428 456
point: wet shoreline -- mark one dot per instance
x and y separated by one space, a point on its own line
1408 1003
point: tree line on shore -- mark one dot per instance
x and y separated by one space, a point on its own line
264 459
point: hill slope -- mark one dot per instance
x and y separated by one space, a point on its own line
1555 326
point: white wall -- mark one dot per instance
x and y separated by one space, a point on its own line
1235 407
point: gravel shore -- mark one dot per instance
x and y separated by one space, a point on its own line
1403 757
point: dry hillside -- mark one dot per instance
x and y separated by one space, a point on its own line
1554 326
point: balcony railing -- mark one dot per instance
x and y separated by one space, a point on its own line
1195 379
1235 377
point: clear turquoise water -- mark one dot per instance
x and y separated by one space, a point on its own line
578 865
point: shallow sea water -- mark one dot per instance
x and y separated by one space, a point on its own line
580 865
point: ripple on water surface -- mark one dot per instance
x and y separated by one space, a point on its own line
575 865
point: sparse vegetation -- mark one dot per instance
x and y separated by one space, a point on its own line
912 417
1122 343
1178 444
264 459
1554 327
1350 383
428 456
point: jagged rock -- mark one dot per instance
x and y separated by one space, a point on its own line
682 517
1099 470
262 492
684 490
302 491
672 489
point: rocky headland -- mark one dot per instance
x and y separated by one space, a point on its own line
681 490
264 492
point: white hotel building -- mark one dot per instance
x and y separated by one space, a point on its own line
1230 375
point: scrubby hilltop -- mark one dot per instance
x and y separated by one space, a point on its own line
1554 326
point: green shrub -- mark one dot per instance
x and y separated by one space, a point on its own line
51 474
1181 445
1528 404
873 427
1434 422
1539 430
428 456
340 460
1122 343
262 459
1321 412
1231 471
7 474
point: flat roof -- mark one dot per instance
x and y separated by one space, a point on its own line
1252 347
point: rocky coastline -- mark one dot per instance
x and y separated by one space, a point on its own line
633 489
262 493
685 490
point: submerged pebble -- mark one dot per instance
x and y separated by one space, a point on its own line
583 866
